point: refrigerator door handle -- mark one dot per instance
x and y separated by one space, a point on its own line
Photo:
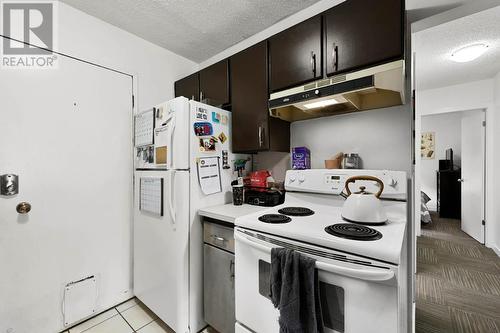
171 146
171 207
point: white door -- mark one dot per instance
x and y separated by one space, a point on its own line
67 133
473 155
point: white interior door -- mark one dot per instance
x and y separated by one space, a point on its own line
67 133
473 156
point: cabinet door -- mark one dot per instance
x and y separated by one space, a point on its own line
249 99
360 33
295 55
188 87
219 289
214 84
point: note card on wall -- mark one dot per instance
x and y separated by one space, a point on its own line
144 127
151 195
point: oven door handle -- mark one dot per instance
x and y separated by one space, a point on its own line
379 274
367 274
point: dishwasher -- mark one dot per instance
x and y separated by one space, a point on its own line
218 281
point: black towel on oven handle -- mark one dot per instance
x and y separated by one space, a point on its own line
295 291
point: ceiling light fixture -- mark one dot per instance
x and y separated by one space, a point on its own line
321 104
469 53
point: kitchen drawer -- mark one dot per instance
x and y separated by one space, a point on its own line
219 236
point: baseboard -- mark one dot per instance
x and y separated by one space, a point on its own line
496 250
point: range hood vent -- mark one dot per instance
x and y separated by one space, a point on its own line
377 87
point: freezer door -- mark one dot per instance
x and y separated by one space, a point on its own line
161 249
172 133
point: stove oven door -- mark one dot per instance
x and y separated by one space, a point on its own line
355 298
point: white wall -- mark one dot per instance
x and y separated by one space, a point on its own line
468 96
276 162
448 131
381 137
155 70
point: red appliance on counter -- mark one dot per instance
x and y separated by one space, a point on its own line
260 192
258 179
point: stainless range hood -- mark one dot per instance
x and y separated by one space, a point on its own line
373 88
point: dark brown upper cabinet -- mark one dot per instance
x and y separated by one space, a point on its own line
188 87
360 33
214 84
295 55
253 129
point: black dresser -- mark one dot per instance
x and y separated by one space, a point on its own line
449 193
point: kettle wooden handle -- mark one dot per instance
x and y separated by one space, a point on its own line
354 178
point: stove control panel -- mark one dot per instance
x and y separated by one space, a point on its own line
332 181
336 182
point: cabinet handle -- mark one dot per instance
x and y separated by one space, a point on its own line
260 136
335 57
231 269
201 96
313 63
220 239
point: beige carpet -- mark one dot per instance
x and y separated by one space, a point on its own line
458 281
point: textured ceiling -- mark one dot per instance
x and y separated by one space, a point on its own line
194 29
200 29
420 9
434 46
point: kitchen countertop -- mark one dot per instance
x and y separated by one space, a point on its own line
229 212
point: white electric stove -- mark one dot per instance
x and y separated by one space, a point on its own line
362 268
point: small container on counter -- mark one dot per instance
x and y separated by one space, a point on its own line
351 161
301 158
238 194
335 162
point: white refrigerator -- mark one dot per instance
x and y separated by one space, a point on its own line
183 163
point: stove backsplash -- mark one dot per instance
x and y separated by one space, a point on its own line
381 137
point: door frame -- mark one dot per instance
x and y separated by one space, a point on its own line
488 105
487 211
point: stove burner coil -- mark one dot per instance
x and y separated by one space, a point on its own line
274 218
353 231
296 211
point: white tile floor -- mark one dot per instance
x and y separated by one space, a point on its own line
129 317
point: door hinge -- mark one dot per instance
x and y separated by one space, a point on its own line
484 123
133 101
483 222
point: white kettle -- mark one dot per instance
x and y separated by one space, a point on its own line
363 207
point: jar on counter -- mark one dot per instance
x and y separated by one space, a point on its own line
351 161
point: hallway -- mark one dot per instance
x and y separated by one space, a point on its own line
458 281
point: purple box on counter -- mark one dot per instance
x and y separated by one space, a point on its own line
301 158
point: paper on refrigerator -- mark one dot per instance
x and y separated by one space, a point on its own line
209 175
